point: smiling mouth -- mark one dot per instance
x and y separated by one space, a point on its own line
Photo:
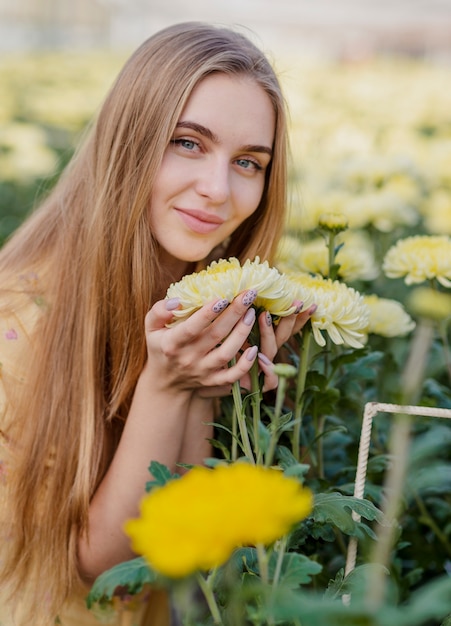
200 221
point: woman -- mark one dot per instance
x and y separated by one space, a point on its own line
185 163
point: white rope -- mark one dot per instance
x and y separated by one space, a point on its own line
370 411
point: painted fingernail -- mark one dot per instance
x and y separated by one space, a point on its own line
249 317
298 304
268 318
249 297
264 359
312 309
251 353
172 304
220 305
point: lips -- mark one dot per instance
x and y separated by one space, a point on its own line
199 221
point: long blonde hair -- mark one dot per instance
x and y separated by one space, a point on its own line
99 257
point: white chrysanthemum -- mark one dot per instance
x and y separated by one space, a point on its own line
420 258
226 279
355 258
388 318
341 311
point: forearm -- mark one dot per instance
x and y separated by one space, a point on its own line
154 431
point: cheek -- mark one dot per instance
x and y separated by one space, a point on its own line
248 198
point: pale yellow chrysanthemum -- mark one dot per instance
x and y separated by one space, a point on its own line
333 222
437 213
341 311
355 258
382 209
226 279
420 258
388 318
430 303
223 508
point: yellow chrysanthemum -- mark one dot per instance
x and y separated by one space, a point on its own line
223 508
388 318
437 218
341 311
355 258
226 279
333 222
430 303
420 258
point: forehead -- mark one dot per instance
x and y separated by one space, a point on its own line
236 105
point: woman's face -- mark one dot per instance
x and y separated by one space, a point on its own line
213 172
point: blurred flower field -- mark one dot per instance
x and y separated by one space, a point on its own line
369 234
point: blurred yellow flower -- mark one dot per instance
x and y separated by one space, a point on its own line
355 258
437 212
195 522
388 318
333 222
420 258
430 303
341 311
226 279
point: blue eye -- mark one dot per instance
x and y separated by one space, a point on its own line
187 144
248 164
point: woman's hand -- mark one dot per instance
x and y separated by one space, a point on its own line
272 339
197 353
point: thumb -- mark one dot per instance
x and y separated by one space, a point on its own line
161 314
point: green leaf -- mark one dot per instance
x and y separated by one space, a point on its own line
335 508
297 569
124 579
161 475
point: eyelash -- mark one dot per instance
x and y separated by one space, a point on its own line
181 140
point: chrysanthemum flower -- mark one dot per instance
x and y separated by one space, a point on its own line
355 258
223 508
388 318
430 303
341 311
420 258
226 279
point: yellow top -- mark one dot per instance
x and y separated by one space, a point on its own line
20 309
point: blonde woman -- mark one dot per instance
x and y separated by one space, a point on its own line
185 162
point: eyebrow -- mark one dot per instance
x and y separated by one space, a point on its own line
206 132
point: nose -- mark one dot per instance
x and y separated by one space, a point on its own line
213 181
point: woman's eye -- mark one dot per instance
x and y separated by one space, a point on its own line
187 144
249 164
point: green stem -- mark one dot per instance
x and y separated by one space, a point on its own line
234 434
256 405
300 388
320 445
429 521
446 347
241 418
210 598
331 250
275 420
394 489
282 546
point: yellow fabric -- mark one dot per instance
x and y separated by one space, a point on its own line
21 306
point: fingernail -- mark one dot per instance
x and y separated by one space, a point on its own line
264 358
172 304
268 318
312 309
251 353
220 305
298 304
249 317
249 297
